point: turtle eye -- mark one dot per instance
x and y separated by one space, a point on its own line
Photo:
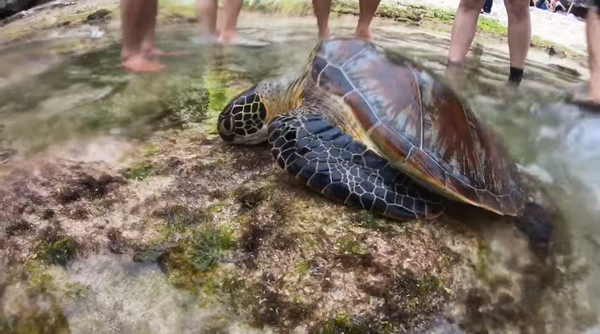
225 127
227 124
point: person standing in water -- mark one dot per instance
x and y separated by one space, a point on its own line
519 34
138 21
138 25
363 31
207 18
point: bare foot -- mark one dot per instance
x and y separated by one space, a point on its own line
139 63
325 34
363 34
228 37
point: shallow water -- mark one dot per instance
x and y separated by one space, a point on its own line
90 97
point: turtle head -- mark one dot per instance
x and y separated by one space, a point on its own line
245 118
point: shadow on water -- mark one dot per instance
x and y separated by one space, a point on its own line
90 96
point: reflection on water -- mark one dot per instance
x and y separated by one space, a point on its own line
90 96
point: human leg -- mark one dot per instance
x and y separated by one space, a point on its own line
519 36
206 11
232 10
149 42
367 11
322 9
463 30
134 29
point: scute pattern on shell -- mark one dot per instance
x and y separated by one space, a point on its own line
419 124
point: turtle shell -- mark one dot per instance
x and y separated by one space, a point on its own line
417 123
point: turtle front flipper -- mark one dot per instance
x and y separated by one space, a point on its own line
331 162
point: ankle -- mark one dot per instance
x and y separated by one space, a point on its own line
228 35
451 64
516 75
324 33
127 54
147 47
363 31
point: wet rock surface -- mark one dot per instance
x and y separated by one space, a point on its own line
227 226
181 233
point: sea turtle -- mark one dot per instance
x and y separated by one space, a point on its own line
373 130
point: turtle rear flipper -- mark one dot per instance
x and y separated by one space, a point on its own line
331 162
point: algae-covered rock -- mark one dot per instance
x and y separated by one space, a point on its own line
227 226
185 234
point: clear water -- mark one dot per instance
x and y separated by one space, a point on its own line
90 96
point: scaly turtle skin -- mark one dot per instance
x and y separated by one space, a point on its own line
375 131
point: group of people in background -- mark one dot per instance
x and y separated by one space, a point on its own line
140 54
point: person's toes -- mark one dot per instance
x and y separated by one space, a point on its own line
141 64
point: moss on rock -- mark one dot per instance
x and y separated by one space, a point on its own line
140 171
59 252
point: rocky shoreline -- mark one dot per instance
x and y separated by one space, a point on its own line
221 239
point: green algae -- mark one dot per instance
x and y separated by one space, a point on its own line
343 323
39 279
140 171
77 291
59 252
38 308
42 322
349 245
408 298
173 8
396 12
208 247
16 31
193 263
261 304
303 267
220 91
216 207
415 13
189 103
5 324
294 7
483 259
151 150
179 215
491 27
